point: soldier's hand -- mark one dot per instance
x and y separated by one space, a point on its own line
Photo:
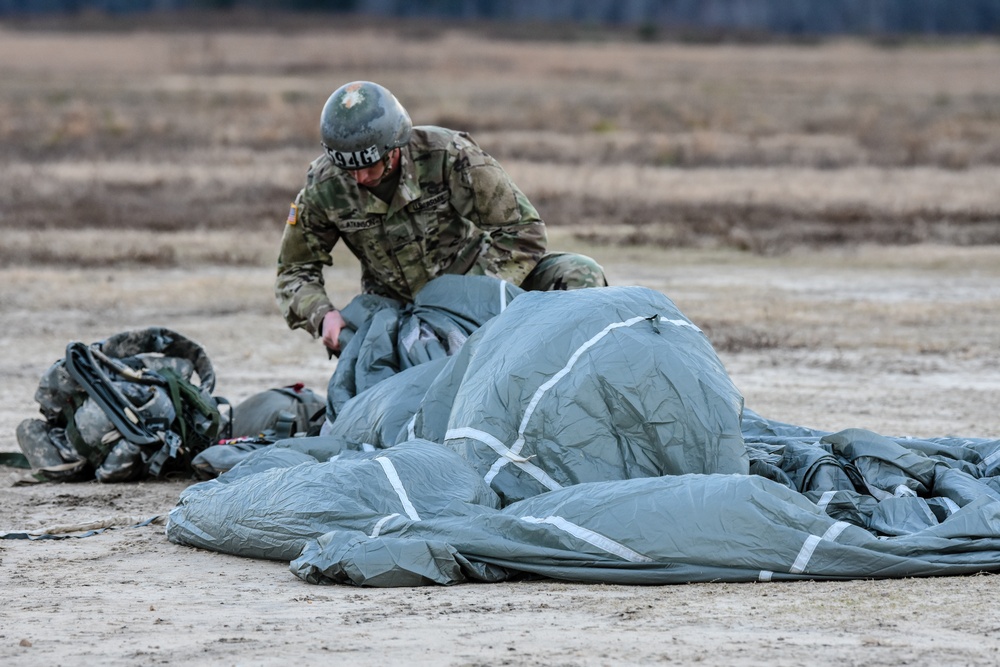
332 324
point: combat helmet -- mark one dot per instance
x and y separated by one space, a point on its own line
361 122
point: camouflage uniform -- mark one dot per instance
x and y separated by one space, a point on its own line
454 211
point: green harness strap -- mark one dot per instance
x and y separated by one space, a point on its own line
187 398
14 460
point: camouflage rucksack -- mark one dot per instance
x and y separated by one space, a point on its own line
124 408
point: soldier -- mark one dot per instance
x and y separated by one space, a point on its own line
411 203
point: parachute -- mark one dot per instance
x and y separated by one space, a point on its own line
594 435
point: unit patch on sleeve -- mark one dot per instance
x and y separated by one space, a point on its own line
293 214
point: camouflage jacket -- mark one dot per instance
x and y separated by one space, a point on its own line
454 211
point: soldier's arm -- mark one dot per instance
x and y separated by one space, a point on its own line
484 193
299 288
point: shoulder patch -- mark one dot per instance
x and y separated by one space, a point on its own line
494 195
293 214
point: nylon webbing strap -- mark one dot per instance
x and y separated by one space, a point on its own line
82 368
284 425
82 530
185 396
14 460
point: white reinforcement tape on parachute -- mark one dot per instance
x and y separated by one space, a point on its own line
809 546
680 323
876 492
507 455
397 486
512 454
950 504
602 542
410 338
987 463
411 428
564 371
503 295
825 499
381 522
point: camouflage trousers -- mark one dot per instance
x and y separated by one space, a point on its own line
564 271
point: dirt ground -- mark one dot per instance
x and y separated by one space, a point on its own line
828 214
898 340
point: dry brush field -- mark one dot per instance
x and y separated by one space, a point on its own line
829 214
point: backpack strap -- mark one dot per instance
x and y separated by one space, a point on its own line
284 425
187 399
296 392
88 373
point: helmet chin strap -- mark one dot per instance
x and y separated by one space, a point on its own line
391 161
390 167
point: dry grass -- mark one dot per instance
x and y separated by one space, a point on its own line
760 147
101 248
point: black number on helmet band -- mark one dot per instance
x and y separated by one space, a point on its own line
354 159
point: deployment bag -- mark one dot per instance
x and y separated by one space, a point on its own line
261 420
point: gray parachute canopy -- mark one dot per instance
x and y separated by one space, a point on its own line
594 435
382 336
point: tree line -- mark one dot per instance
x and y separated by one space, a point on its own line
793 17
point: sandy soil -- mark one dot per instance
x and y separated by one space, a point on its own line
898 340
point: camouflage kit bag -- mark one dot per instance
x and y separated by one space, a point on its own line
279 412
124 409
261 420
